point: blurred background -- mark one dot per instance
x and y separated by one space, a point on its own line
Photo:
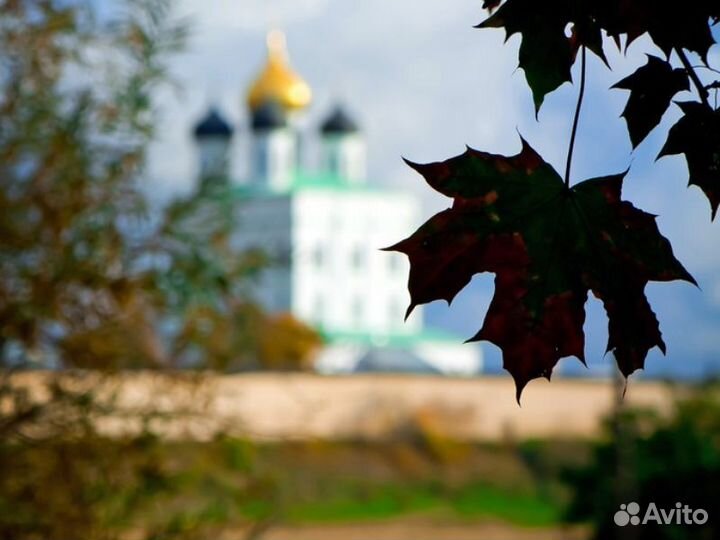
201 337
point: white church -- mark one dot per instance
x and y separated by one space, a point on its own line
324 229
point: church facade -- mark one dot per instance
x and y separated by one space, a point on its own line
324 230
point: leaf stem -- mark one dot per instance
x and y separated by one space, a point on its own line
702 91
573 134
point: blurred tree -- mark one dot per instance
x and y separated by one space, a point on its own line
74 121
58 477
61 478
675 459
285 344
89 276
203 287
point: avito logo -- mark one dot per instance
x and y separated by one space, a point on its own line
629 514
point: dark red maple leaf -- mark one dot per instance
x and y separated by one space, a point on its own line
547 53
669 25
652 87
548 245
697 135
491 5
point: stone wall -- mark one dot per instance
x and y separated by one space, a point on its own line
305 406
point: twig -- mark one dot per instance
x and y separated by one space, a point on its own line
708 68
581 94
702 91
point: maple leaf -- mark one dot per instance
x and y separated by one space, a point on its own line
651 87
548 245
670 27
546 52
491 5
586 31
697 135
684 28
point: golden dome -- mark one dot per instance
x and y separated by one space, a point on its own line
277 81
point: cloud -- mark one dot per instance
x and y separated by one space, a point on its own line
233 15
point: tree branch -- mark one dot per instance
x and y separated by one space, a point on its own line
702 91
581 94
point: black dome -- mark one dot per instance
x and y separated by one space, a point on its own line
338 123
269 115
213 125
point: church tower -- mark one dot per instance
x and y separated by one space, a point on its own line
322 228
276 101
274 148
278 82
343 147
213 135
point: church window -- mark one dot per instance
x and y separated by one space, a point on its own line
318 256
333 163
261 161
318 313
358 311
358 257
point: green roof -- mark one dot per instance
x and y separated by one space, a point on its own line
318 181
306 181
393 339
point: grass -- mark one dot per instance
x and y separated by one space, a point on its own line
175 488
527 509
346 482
476 501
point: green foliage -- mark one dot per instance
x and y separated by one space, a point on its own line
364 482
62 476
548 242
668 459
58 477
61 479
475 501
74 123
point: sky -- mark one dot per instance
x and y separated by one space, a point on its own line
423 83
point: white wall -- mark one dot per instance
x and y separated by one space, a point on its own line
452 358
338 278
352 286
